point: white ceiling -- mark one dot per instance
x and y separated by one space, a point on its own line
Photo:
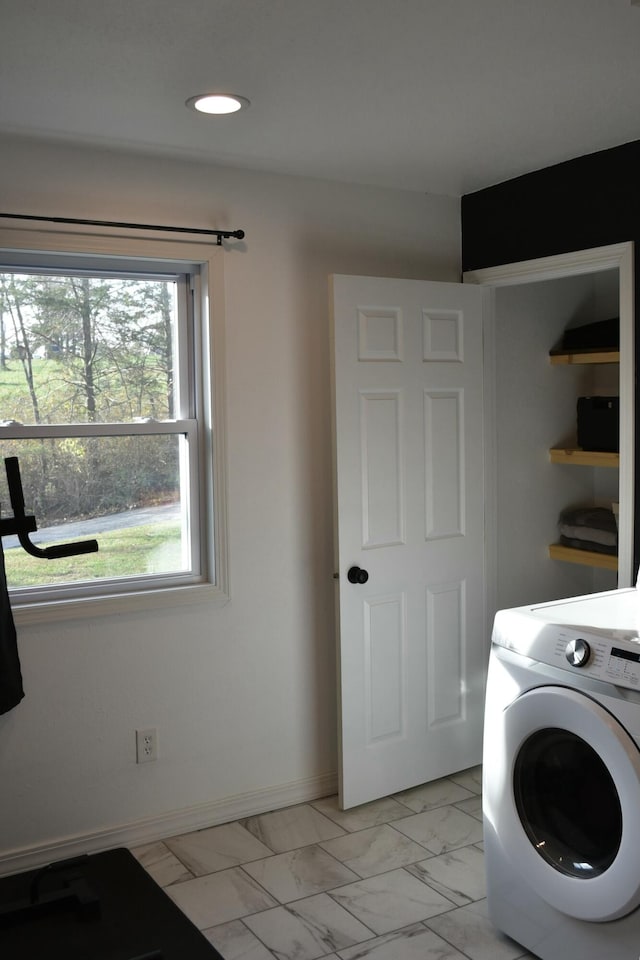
442 96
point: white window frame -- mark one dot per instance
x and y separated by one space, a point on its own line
106 248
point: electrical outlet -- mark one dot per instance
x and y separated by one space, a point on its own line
146 745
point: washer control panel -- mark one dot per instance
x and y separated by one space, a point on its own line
623 667
609 656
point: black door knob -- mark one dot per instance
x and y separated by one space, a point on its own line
356 575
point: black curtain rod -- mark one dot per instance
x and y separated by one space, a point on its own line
220 234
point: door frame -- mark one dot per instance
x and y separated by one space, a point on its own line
618 257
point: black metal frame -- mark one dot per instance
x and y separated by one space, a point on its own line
22 524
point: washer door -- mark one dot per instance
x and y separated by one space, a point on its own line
562 791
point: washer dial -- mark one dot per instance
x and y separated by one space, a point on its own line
577 652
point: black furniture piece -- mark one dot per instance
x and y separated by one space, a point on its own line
103 906
21 525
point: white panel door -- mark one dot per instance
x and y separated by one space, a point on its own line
410 513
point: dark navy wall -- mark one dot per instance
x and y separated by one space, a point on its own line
588 202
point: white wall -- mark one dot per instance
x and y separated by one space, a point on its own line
243 695
535 411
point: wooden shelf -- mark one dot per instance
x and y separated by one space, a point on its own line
588 558
584 458
602 356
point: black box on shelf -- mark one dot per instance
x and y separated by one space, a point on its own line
602 335
599 423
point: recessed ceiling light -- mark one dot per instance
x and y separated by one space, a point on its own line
218 103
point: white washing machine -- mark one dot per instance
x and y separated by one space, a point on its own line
561 777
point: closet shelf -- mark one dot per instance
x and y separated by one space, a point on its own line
588 558
584 458
602 356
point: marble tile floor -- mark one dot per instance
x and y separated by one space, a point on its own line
398 879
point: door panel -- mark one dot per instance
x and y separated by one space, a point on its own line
445 667
384 640
410 511
443 447
382 457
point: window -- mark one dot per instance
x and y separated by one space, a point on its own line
110 401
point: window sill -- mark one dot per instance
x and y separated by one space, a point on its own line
102 606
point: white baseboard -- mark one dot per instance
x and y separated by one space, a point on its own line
169 824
